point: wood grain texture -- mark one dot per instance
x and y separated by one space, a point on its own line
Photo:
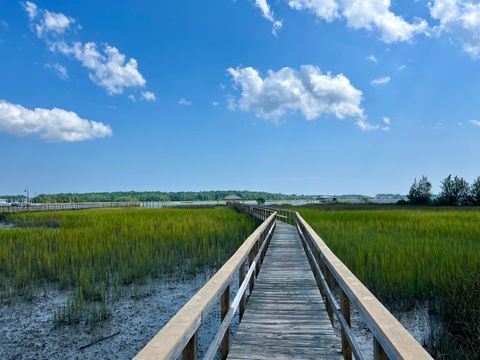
285 317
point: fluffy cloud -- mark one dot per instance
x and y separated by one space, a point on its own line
475 122
184 102
461 20
327 10
149 96
306 90
55 125
380 81
46 22
31 9
364 14
107 66
268 14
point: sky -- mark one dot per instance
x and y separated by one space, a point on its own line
291 96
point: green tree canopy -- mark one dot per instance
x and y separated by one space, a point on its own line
420 192
475 191
455 191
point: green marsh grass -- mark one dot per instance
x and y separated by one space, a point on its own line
406 255
93 251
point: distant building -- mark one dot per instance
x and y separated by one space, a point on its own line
326 199
232 198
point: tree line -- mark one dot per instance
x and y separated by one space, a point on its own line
160 196
455 191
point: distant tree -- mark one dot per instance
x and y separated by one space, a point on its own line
475 191
260 201
455 191
420 192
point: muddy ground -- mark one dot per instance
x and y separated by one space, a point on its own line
27 329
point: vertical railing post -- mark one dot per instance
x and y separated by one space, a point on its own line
257 249
345 308
251 256
378 352
224 307
329 279
241 278
190 351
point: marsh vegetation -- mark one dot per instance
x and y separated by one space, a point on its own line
93 254
413 255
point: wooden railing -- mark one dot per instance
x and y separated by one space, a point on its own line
391 339
179 336
4 209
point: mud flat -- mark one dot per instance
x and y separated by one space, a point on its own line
28 331
417 320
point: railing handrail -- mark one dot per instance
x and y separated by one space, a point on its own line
394 339
9 209
173 338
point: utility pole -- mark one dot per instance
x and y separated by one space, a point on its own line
28 203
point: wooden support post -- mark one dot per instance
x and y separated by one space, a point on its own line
251 256
224 307
241 277
257 265
329 279
345 307
190 351
378 352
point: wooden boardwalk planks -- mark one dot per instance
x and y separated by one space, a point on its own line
285 317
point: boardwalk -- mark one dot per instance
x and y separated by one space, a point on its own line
285 317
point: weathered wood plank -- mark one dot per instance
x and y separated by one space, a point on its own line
285 317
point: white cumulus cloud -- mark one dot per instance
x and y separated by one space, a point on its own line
46 22
475 122
149 96
31 9
372 58
55 125
364 14
306 90
107 66
459 19
268 14
380 81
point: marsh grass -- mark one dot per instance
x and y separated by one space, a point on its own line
406 255
402 255
95 252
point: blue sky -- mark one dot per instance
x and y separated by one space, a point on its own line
298 96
